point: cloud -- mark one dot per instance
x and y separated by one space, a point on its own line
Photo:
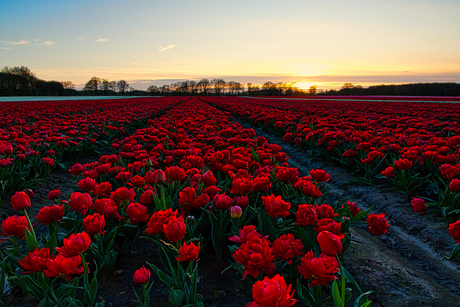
80 38
143 59
160 49
6 48
12 43
101 40
47 43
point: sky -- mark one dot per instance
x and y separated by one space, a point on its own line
325 43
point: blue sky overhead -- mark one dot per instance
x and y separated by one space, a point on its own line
326 43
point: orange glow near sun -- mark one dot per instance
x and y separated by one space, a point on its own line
304 85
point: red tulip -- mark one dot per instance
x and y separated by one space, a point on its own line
54 194
137 213
330 243
377 224
94 224
51 214
320 269
65 267
306 215
418 204
15 226
35 261
276 206
141 276
20 200
189 252
272 292
74 245
175 229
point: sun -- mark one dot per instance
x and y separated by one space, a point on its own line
304 85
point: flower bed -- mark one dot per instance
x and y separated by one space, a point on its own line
191 181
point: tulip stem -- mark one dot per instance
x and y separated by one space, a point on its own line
144 294
31 226
85 269
102 244
342 277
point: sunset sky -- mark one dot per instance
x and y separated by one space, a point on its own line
326 43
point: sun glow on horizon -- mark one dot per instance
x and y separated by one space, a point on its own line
305 85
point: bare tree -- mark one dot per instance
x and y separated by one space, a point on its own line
269 87
249 88
312 90
153 89
193 87
105 85
113 86
204 85
68 85
183 87
219 86
165 89
122 86
234 87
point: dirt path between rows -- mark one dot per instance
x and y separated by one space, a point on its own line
406 266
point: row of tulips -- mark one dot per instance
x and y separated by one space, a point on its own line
191 180
414 145
37 136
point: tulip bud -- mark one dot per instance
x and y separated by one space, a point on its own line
159 176
20 200
454 185
29 192
330 243
236 212
149 163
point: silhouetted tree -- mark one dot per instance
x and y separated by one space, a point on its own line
193 87
92 85
105 86
113 86
122 86
20 80
219 86
204 85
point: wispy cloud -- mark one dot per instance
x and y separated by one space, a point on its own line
101 40
160 49
12 43
47 43
143 59
6 48
80 38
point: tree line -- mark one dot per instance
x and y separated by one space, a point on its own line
411 89
101 86
21 81
205 87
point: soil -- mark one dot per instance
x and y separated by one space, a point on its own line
405 267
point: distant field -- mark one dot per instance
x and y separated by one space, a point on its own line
47 98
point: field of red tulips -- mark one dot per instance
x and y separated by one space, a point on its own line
215 201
